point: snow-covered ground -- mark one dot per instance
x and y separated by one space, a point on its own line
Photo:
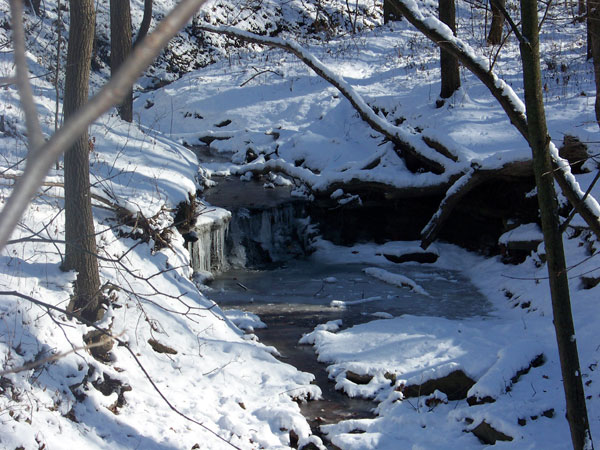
491 351
231 386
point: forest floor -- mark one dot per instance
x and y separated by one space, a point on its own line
223 387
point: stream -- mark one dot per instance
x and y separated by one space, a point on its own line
258 259
295 297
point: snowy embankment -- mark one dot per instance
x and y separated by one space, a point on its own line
286 112
206 368
502 369
268 104
192 379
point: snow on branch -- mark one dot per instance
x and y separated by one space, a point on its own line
587 207
409 144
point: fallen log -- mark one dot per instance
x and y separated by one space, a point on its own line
352 184
408 146
474 177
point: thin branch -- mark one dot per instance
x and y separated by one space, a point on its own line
259 73
495 58
40 362
36 139
545 16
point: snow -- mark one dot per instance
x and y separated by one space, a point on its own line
490 351
244 320
345 303
523 233
395 279
302 127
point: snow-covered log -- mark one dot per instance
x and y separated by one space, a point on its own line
324 188
474 177
409 145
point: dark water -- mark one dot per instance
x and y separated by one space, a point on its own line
294 298
310 284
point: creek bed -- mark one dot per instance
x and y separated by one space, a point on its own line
295 297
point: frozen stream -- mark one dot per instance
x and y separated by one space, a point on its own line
296 297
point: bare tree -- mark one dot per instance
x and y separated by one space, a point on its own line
495 35
110 95
80 254
120 47
585 205
593 29
448 62
146 20
556 265
534 129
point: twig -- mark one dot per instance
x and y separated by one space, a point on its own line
71 315
57 356
259 73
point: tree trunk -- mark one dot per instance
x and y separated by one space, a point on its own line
448 62
34 5
146 20
589 26
557 272
390 14
593 24
120 47
495 34
80 237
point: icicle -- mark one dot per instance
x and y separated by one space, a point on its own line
207 253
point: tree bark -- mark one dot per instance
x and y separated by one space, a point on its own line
539 141
120 47
593 25
146 20
80 237
448 61
589 27
495 35
389 13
